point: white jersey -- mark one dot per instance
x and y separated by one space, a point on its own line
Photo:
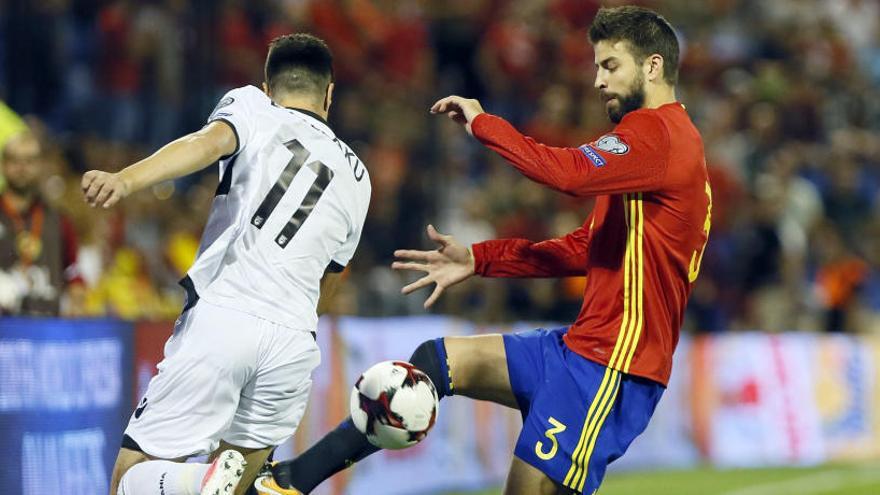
291 204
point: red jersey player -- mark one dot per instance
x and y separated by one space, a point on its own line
585 391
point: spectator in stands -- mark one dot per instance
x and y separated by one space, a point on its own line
37 243
787 98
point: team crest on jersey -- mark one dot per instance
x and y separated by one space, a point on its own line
592 155
612 144
225 102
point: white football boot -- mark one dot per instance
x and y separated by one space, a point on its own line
224 474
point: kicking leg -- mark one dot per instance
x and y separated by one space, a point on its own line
187 406
475 367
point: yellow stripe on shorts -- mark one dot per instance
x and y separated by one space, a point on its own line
597 412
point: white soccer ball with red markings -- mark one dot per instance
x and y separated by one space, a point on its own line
394 404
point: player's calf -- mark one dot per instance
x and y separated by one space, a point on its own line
254 459
224 474
152 477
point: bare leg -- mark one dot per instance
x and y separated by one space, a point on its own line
255 459
478 366
525 479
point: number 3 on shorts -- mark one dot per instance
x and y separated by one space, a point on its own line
551 434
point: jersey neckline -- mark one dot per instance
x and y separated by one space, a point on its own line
310 114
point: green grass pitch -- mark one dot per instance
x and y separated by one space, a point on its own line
849 479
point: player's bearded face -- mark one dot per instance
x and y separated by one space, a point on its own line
619 104
620 78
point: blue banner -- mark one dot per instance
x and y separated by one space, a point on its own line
64 399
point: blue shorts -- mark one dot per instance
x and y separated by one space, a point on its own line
578 415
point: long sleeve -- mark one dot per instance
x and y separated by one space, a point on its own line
562 257
632 158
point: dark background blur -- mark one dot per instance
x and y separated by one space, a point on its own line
785 93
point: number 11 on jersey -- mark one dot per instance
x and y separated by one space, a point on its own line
322 180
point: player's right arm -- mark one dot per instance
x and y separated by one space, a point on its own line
180 157
564 256
446 266
452 263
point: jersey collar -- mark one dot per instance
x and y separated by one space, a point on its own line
310 114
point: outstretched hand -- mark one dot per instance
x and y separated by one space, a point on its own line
460 110
445 266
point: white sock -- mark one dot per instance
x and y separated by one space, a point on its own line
163 478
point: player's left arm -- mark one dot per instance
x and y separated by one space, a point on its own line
180 157
632 158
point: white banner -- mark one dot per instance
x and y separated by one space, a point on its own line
765 411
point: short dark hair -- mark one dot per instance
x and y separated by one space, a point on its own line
298 63
646 31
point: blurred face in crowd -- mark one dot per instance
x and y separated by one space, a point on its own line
620 79
22 164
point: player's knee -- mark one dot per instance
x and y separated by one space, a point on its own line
124 482
125 461
430 357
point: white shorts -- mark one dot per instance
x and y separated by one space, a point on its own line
227 376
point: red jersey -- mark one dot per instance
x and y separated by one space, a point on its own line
640 248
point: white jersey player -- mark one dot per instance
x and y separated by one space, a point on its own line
286 220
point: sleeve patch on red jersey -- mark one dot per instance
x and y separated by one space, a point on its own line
592 155
612 144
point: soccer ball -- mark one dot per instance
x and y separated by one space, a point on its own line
394 404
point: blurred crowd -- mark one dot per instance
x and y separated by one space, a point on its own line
786 94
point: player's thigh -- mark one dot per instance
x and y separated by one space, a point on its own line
191 402
255 459
524 479
274 401
478 368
